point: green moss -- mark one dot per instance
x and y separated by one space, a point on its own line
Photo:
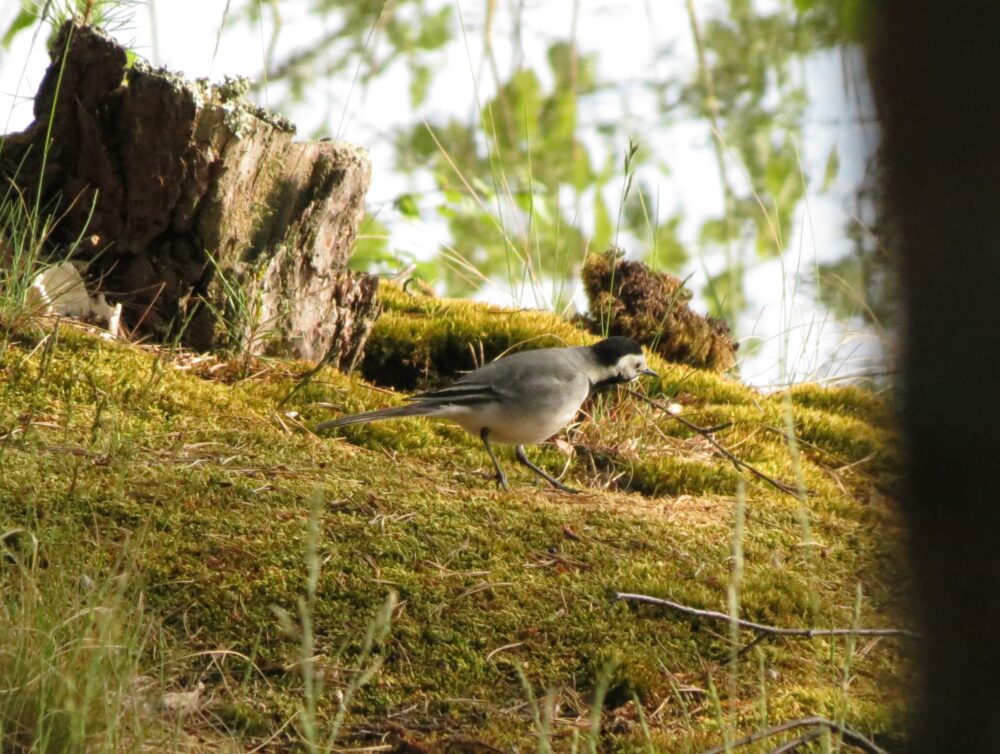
676 476
211 484
844 401
419 340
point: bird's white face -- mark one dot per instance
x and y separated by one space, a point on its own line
631 366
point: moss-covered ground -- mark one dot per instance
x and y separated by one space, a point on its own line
193 477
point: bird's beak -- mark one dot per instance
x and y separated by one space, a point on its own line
650 372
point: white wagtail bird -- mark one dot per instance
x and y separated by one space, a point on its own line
523 398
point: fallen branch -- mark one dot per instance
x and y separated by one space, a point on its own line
762 628
795 743
848 736
707 434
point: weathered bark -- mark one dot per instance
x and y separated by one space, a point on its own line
200 214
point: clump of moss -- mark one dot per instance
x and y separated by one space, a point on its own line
627 298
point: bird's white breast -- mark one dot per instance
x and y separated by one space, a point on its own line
533 422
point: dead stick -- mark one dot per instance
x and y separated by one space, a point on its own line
763 628
848 736
795 743
738 463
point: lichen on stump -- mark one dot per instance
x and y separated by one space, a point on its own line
197 206
627 298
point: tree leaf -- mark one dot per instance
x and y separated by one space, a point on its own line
406 205
420 81
603 225
23 20
832 168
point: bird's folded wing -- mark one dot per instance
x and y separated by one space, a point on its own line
461 393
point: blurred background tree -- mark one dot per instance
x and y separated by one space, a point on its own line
710 140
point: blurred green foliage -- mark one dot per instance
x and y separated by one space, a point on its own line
112 15
530 178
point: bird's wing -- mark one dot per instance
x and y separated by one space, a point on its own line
463 391
541 388
521 377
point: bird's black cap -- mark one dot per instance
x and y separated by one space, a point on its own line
610 350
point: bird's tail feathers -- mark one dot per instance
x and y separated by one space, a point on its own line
396 412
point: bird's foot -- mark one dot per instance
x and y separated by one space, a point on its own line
523 458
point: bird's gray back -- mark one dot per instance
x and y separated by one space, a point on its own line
536 393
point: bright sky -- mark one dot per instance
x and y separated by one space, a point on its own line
799 340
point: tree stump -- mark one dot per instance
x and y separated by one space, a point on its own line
195 208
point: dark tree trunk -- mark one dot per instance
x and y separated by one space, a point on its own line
199 213
936 73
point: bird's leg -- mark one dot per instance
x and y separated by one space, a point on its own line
519 452
484 435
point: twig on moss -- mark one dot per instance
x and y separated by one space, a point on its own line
795 743
848 736
707 434
760 637
763 628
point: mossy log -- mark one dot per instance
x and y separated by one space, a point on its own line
199 213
